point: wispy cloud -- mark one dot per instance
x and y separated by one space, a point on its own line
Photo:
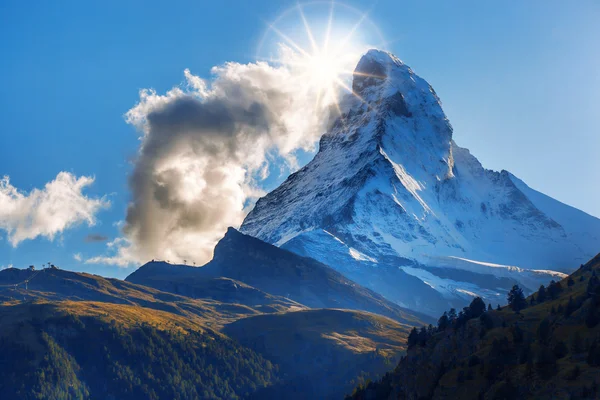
46 212
77 257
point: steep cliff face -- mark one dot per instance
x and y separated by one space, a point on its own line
391 195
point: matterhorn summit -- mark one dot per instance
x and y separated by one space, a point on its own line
393 203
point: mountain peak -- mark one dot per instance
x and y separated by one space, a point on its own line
381 75
378 63
381 56
373 69
234 239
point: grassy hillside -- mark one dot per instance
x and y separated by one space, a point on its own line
548 350
92 350
322 353
57 285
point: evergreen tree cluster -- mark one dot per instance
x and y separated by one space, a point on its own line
450 319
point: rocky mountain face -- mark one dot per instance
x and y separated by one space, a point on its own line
392 202
548 350
267 268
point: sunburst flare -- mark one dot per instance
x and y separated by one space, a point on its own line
324 65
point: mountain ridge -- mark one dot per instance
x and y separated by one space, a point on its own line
275 271
50 285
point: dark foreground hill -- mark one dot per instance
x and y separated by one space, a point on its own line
549 350
275 271
91 350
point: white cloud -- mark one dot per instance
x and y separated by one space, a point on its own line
77 257
47 212
205 147
123 254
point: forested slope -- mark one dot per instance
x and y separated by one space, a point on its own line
545 347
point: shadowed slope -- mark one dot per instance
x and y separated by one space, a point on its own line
321 352
276 271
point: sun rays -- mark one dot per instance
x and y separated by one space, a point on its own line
324 64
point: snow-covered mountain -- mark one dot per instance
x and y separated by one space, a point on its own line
394 203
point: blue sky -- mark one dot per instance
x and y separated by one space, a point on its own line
520 82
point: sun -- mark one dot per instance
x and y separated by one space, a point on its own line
324 51
323 68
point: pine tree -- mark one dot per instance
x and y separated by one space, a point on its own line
423 336
452 315
543 331
443 322
476 308
430 330
541 297
571 306
554 289
413 337
516 299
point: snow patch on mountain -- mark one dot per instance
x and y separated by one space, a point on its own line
450 288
